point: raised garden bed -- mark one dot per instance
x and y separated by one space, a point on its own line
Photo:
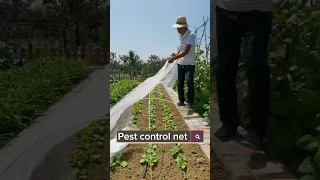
129 167
169 161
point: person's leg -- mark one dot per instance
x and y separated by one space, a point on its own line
181 78
229 35
259 31
191 70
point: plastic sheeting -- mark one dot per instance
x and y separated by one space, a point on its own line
167 76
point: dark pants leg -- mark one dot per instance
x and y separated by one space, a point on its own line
229 36
258 31
231 27
190 70
181 78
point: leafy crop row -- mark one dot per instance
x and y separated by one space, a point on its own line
88 143
149 157
118 162
28 91
168 118
181 159
119 89
91 139
136 110
176 151
152 112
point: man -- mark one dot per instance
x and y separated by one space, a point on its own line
186 60
251 20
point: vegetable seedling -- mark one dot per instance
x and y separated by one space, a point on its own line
182 162
118 162
176 150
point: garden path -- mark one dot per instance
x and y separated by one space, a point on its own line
88 101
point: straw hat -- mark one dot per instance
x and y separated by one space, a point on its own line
181 22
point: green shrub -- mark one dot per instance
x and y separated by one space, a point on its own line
27 91
10 56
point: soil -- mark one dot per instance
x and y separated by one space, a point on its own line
198 167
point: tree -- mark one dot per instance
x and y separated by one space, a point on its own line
153 63
115 64
132 62
81 14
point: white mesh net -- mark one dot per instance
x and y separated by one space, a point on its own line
120 114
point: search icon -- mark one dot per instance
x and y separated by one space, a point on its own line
197 136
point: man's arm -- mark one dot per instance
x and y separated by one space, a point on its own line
190 43
173 54
184 53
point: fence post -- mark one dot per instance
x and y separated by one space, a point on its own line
67 53
37 52
53 51
82 52
89 54
60 50
22 52
74 52
97 55
29 50
45 50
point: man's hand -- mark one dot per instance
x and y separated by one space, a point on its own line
171 60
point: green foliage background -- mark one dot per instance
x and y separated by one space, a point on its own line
294 58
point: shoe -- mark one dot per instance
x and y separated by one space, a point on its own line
180 103
252 140
190 106
225 133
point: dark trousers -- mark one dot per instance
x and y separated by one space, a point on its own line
255 28
182 71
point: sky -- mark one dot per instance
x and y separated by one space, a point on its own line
145 26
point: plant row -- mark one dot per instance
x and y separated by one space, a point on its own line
181 159
119 89
91 139
176 151
136 110
152 112
28 91
149 157
118 161
168 117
